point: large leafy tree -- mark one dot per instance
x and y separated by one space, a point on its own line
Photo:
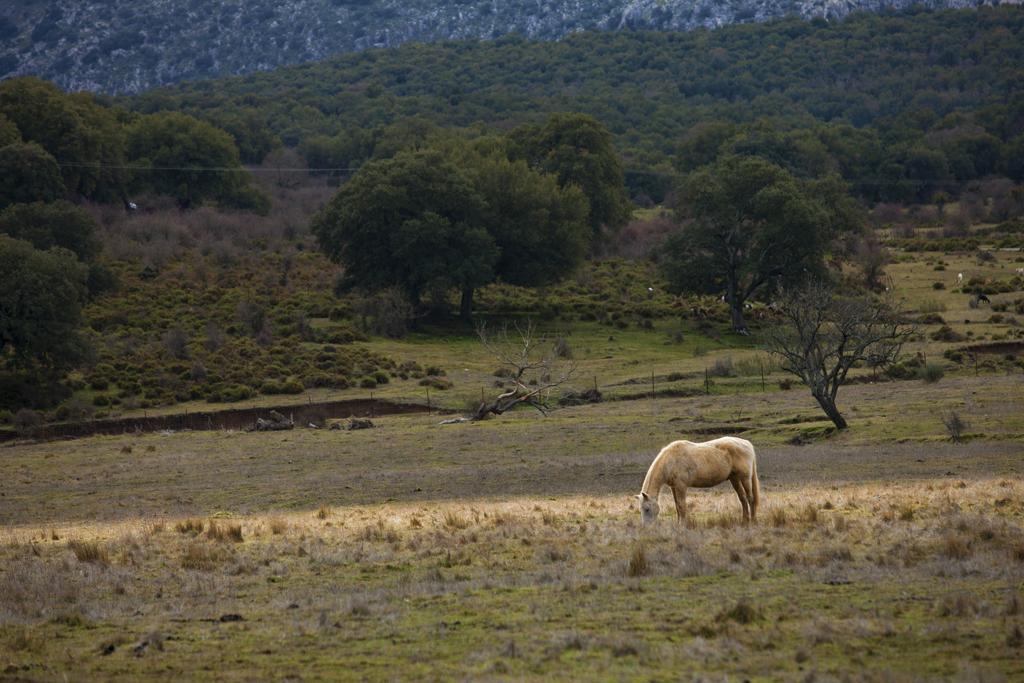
413 221
432 219
540 228
192 161
86 139
749 224
41 294
28 174
578 150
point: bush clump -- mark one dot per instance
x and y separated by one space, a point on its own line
946 334
931 372
289 386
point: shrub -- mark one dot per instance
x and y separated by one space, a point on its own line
230 394
440 383
932 306
368 383
89 551
289 386
638 564
955 426
226 532
189 526
946 334
743 612
722 367
931 372
562 348
938 285
26 420
200 557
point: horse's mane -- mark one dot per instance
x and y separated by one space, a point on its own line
654 472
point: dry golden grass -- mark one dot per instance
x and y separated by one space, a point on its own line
200 556
190 526
397 561
638 565
89 551
222 531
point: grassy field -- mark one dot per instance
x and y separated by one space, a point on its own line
509 548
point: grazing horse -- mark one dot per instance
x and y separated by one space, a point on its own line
683 464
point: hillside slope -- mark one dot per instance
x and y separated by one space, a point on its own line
126 46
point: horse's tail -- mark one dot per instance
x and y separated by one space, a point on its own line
754 483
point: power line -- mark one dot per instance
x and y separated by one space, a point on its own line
208 169
262 169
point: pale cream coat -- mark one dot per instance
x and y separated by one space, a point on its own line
683 464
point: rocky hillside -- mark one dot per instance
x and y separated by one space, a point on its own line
125 46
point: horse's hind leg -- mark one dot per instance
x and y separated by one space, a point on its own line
742 495
748 493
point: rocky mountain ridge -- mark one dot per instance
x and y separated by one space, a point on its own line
127 46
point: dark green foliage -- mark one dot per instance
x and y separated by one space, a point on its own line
413 221
192 161
28 174
60 224
41 294
538 227
751 225
86 138
578 150
250 132
8 132
881 94
430 220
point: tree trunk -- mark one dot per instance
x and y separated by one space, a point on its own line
829 406
735 305
736 309
466 304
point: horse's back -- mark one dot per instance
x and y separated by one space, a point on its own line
740 451
736 443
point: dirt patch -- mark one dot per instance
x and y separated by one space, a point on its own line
995 348
238 418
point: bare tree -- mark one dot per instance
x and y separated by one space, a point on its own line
823 335
532 363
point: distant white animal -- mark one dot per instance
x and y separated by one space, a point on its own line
683 464
1020 271
959 278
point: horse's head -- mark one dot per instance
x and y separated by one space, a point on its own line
648 508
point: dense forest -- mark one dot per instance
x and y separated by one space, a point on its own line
900 104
